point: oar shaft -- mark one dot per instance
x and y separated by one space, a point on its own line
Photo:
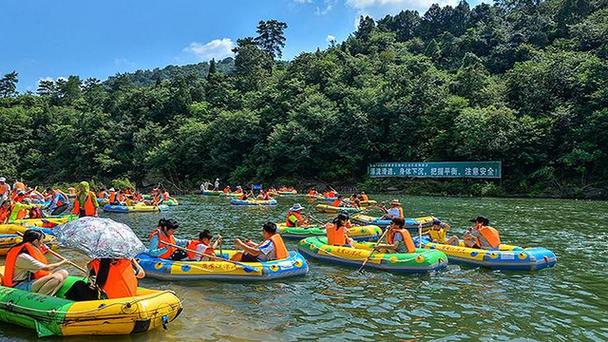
60 256
373 250
209 256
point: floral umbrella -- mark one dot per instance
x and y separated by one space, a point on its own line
100 238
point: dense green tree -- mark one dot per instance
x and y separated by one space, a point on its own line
8 84
271 37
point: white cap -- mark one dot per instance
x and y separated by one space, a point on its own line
2 179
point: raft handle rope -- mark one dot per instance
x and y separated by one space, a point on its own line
10 305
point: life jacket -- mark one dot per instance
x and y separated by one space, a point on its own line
156 199
102 194
120 281
335 236
364 197
490 235
164 238
11 259
298 216
165 196
193 244
21 214
89 206
336 203
4 189
226 190
280 250
407 240
4 214
19 186
438 235
112 197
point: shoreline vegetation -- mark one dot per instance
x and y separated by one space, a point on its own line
524 82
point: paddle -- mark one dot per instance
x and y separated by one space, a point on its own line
246 267
373 250
59 256
317 220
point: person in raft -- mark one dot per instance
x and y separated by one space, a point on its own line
479 236
337 231
338 202
163 233
294 216
117 278
85 203
394 211
273 247
197 249
398 239
26 268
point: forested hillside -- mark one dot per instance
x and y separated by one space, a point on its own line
525 82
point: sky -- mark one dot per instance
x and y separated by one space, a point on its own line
49 39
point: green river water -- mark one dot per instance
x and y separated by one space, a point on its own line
565 303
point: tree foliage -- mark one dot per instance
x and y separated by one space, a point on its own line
522 81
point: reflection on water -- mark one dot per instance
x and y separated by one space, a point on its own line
567 302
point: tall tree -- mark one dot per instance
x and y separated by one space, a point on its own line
212 69
8 84
271 37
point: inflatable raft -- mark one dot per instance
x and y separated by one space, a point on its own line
359 233
9 237
507 257
138 208
102 201
55 315
165 269
330 209
171 202
46 221
211 193
422 261
287 193
410 223
235 201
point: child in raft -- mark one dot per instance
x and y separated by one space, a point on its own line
272 248
197 249
162 234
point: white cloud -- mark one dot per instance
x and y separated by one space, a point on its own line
328 5
396 5
330 38
217 48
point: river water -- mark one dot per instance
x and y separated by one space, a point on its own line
565 303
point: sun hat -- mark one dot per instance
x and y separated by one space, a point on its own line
296 207
395 201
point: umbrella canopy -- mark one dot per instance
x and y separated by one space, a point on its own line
100 238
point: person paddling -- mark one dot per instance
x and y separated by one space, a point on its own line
294 216
202 246
164 233
272 248
398 239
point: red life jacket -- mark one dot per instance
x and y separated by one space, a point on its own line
336 203
121 281
407 239
164 238
11 259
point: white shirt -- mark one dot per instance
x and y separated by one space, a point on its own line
24 265
267 249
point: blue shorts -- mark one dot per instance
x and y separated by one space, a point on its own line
25 285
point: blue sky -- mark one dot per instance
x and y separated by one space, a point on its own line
57 38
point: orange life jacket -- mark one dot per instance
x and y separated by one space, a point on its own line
280 250
121 281
21 214
112 197
101 194
407 239
165 196
490 235
19 186
298 216
192 246
3 189
364 197
4 213
226 190
336 203
164 238
89 206
11 259
335 236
